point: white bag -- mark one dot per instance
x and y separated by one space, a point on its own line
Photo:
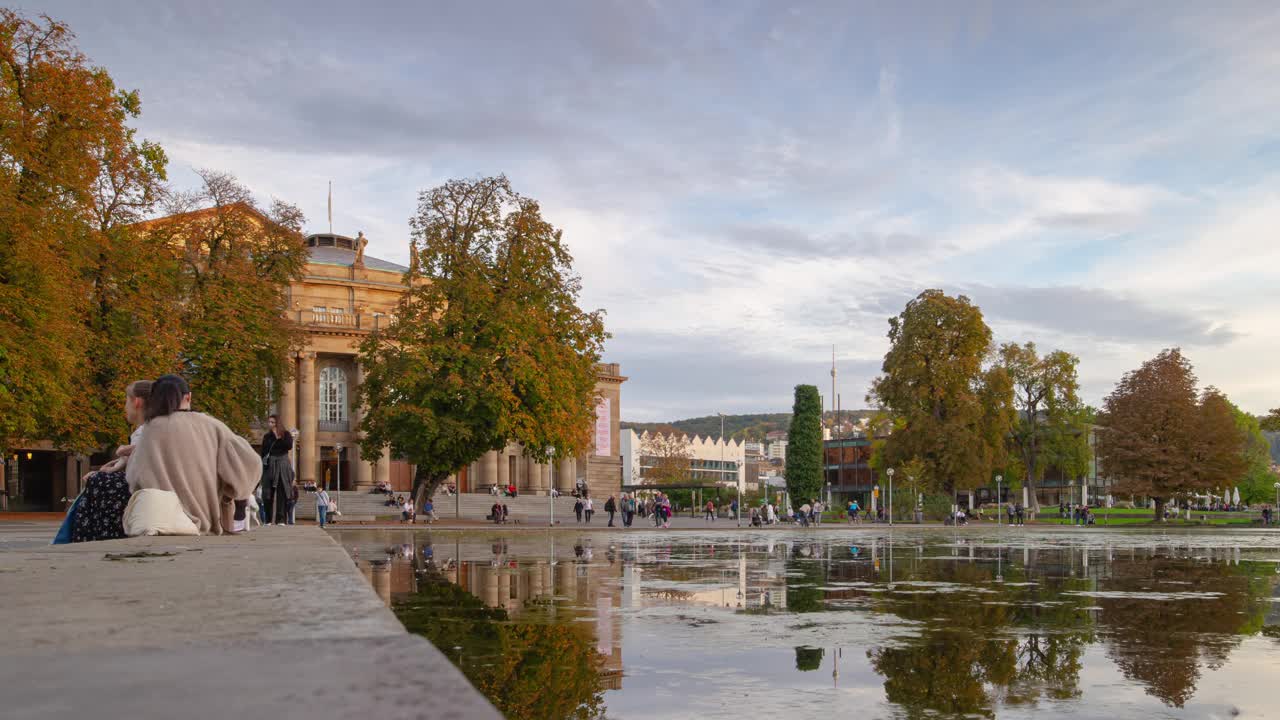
157 512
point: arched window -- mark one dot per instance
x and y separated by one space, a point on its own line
333 396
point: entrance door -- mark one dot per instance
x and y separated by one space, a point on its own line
334 467
36 481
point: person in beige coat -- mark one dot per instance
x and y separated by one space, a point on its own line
194 456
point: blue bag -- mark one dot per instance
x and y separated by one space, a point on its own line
64 533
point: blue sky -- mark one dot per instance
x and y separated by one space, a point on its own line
746 184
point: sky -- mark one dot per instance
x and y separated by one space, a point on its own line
744 185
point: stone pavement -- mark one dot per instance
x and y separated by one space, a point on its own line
278 623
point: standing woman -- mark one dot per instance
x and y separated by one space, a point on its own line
277 473
195 456
322 506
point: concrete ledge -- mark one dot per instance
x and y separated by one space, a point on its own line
276 623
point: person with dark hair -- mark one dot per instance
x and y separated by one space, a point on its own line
98 513
195 456
277 473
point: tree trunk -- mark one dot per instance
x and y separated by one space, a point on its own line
1159 509
425 485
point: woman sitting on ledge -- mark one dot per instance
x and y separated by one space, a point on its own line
99 511
196 457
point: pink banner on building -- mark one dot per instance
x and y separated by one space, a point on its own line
603 436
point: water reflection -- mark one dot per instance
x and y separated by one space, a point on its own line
927 624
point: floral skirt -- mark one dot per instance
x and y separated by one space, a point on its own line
100 515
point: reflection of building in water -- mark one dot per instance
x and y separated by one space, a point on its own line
589 587
722 581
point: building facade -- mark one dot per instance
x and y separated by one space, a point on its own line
711 461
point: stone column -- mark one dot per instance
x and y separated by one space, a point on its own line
532 474
504 469
489 469
289 400
308 461
382 471
364 468
568 475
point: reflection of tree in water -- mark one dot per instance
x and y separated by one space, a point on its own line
808 658
528 670
1162 643
1014 641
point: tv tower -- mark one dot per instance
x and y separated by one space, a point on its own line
833 391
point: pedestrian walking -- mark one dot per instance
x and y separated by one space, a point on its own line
853 511
805 511
773 514
818 509
588 508
610 507
709 512
577 509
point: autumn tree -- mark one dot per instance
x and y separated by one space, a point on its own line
804 446
1161 439
666 456
236 261
71 169
948 410
1219 446
1047 424
1271 421
488 344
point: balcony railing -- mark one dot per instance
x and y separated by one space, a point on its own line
338 426
357 321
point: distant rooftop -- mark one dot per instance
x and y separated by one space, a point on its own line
329 249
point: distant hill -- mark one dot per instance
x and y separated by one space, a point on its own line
739 427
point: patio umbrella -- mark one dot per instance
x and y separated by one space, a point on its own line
1235 495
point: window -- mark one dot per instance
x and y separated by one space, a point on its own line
333 395
319 309
336 310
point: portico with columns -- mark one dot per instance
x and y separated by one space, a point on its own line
342 297
599 470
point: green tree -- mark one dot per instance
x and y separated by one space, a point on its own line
804 446
69 166
1047 424
1257 481
1271 421
947 410
488 344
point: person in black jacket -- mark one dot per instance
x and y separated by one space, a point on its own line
610 507
277 473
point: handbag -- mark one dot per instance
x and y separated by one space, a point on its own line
266 457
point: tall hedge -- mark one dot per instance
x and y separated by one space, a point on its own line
804 447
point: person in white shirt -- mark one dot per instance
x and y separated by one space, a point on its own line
406 510
587 509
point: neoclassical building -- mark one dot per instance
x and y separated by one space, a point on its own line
342 297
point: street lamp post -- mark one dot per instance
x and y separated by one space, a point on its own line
889 472
551 491
337 487
1277 505
999 500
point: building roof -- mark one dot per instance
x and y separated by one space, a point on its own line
345 258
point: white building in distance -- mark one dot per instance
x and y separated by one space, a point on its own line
711 460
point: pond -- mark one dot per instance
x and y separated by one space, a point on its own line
917 623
